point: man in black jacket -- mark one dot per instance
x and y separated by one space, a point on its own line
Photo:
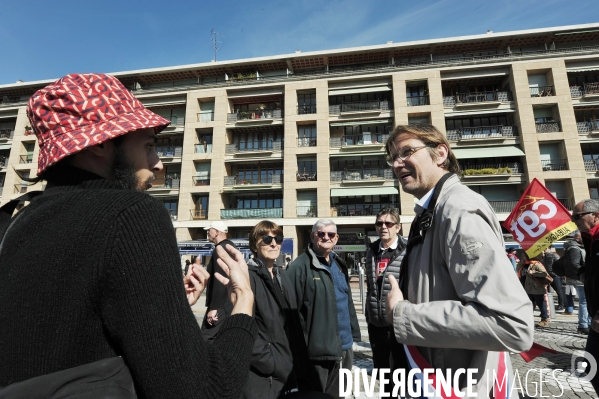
321 282
549 257
383 258
218 305
110 284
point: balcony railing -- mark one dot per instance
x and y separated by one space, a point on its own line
173 214
201 180
542 91
166 182
360 139
548 127
1 190
169 151
203 148
6 133
198 214
567 202
25 158
587 127
482 132
306 109
207 116
244 180
359 106
306 141
477 98
417 100
585 89
369 174
305 176
591 165
491 168
251 213
359 209
306 211
554 164
503 206
254 115
177 121
21 188
249 146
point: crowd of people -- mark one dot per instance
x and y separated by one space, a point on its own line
108 299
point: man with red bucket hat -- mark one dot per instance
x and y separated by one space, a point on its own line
106 286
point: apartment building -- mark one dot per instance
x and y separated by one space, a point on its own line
297 137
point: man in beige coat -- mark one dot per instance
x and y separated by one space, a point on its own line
460 302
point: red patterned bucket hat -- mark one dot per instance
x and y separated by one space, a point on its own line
83 110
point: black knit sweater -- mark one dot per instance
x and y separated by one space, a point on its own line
90 271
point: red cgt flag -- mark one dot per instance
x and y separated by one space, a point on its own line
538 220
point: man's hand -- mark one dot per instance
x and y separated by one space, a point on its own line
195 282
238 283
394 296
212 316
595 323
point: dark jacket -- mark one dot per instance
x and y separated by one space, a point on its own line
315 295
275 312
573 262
376 304
591 270
108 282
549 259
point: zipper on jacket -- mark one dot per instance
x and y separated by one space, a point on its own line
270 380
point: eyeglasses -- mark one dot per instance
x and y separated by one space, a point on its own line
403 154
267 240
576 217
388 224
321 234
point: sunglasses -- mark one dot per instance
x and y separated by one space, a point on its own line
321 234
388 224
578 216
267 240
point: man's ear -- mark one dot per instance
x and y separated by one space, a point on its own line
105 149
442 153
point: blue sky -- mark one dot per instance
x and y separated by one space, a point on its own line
41 39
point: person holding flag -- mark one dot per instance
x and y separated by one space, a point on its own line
460 305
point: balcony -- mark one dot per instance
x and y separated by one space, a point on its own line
6 134
482 133
21 188
567 202
23 159
587 127
492 169
417 100
542 91
478 98
205 116
591 165
503 206
256 115
169 151
548 127
173 214
1 190
360 139
359 106
306 109
305 176
251 213
166 183
199 214
3 162
586 90
201 180
360 175
554 164
203 148
306 141
306 211
359 209
254 146
244 181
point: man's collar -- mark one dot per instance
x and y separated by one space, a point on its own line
393 246
424 201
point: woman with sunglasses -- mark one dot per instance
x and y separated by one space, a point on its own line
272 371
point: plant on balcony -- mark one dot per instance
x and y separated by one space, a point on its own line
487 171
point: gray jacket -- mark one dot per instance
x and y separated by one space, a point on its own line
464 301
574 259
376 302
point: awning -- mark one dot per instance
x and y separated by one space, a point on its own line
488 152
5 146
378 154
350 192
358 90
366 122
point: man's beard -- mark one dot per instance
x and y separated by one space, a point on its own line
124 172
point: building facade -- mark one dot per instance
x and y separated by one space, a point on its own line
298 137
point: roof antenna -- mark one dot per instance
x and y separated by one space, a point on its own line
215 42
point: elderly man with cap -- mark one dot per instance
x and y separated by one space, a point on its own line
218 305
109 290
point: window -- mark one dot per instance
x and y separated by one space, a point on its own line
306 103
204 143
258 201
171 207
260 173
306 135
